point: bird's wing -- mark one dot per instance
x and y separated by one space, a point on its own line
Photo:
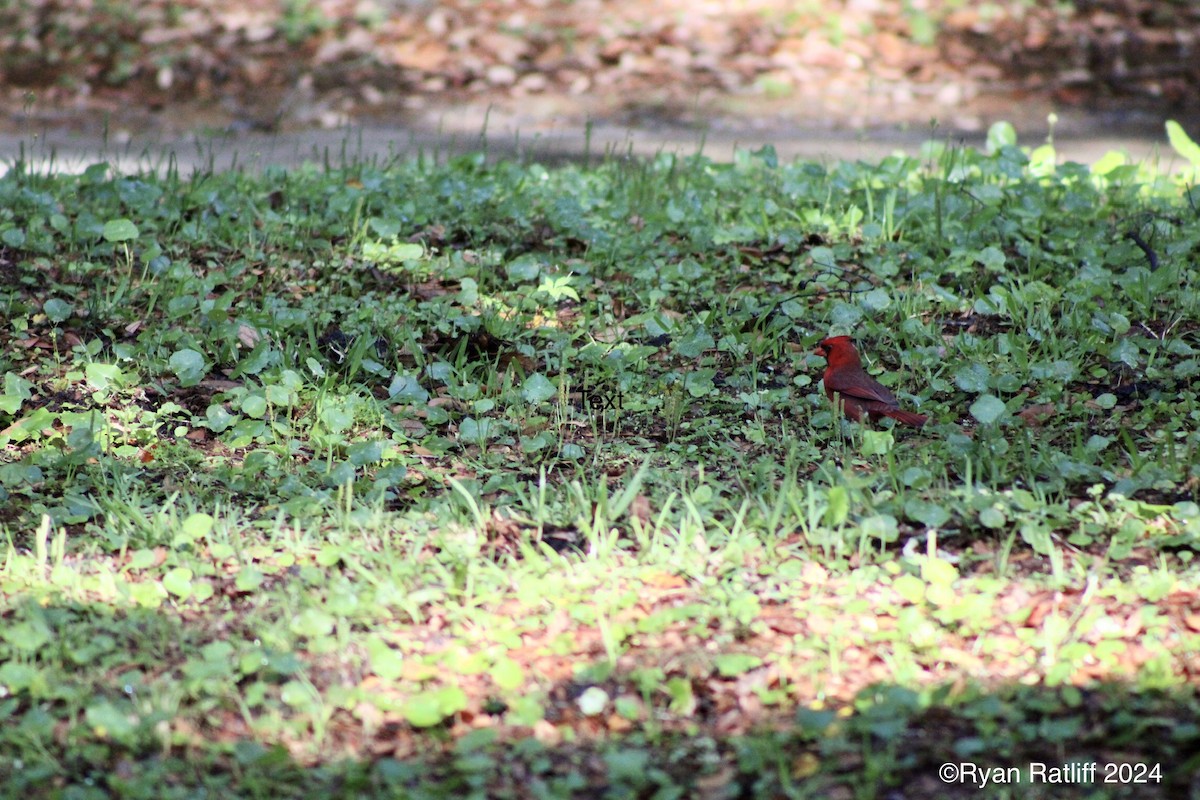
864 388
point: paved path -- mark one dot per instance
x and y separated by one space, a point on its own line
1076 140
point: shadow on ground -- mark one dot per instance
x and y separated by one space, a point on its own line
123 723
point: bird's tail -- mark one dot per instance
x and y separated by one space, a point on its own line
907 417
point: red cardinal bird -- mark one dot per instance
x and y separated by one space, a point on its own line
856 390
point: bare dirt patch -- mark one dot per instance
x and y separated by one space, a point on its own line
265 65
